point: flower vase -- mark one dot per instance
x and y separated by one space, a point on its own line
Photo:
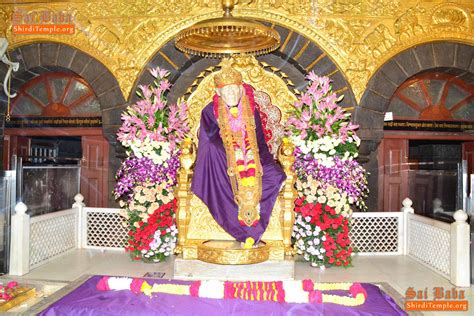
150 260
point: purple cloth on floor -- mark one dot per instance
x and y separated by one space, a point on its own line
87 300
212 184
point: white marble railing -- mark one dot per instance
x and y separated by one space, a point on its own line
39 239
102 229
442 247
52 235
438 245
429 242
377 233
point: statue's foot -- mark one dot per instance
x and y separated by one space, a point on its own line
249 243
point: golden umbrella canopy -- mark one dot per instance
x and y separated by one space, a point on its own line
222 37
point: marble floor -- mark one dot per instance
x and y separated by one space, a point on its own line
400 272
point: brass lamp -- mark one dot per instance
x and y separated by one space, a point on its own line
222 37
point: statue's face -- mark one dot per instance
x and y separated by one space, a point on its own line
231 94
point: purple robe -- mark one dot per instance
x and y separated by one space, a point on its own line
212 184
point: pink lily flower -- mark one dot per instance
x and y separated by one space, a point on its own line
165 85
154 72
312 76
162 72
306 99
298 104
146 92
305 115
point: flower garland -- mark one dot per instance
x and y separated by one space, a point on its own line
151 132
329 179
305 291
7 291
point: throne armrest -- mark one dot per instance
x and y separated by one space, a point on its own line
286 158
185 173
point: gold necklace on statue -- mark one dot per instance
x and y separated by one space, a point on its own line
247 194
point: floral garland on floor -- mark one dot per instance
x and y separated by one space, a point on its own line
305 291
151 132
329 179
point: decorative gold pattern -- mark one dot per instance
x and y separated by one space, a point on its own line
203 226
451 17
227 252
227 76
276 249
20 295
124 35
287 158
188 153
187 159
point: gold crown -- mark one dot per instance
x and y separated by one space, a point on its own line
227 76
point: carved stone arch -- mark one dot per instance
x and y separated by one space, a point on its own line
38 58
449 57
296 57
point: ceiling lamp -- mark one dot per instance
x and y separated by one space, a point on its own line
222 37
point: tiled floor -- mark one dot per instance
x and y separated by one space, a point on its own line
399 272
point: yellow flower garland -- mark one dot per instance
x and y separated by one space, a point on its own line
175 289
332 286
344 300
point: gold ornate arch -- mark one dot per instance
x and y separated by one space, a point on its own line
359 36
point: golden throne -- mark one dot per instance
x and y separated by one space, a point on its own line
196 226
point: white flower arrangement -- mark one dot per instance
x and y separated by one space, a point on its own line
158 151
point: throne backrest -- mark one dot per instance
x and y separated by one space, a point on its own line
273 96
272 124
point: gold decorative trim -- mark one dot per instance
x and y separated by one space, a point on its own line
287 39
286 158
20 295
168 60
229 252
302 50
358 36
314 62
